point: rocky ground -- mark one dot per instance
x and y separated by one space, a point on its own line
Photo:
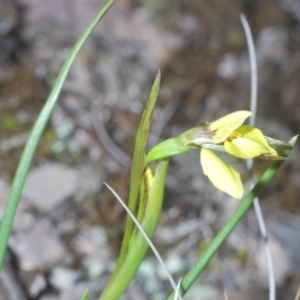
68 228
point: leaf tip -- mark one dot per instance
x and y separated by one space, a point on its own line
158 76
293 140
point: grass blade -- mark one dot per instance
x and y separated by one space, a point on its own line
138 165
38 128
85 295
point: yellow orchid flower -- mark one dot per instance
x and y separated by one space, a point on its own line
242 141
227 134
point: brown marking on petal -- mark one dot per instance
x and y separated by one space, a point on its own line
206 132
198 135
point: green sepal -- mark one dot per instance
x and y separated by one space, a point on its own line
186 141
272 142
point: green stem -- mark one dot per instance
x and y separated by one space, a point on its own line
139 246
38 128
217 242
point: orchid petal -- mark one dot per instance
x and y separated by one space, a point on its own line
253 134
224 126
244 148
248 142
222 176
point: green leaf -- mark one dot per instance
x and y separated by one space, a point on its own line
38 128
85 295
138 165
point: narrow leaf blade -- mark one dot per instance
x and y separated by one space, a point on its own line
138 165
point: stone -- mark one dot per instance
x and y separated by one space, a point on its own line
38 248
62 278
49 185
282 264
38 285
91 243
10 287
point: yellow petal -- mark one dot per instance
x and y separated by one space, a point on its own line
253 134
224 126
248 142
243 148
222 176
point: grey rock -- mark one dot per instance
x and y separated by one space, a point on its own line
92 244
39 247
90 181
38 284
285 227
10 287
63 278
282 265
50 185
73 293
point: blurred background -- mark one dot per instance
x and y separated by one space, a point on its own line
68 228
